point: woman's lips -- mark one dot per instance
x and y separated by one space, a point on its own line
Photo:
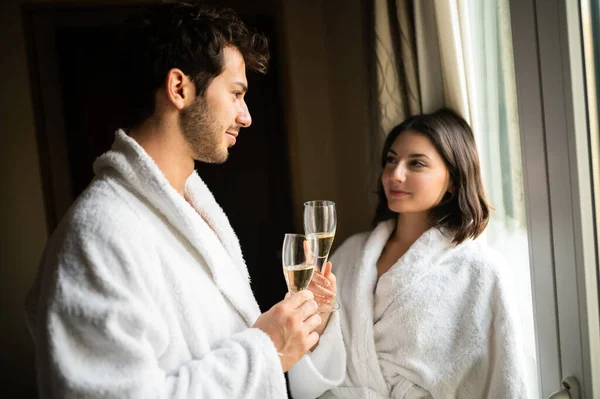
399 193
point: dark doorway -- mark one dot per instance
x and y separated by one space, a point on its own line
73 53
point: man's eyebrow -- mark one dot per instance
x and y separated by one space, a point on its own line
242 85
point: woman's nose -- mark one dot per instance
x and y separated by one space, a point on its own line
399 173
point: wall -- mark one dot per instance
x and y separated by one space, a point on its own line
23 228
350 105
326 102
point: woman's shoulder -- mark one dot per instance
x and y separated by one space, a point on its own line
356 239
352 244
482 259
379 234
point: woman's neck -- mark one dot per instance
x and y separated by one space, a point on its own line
409 227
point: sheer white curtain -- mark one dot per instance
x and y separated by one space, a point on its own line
462 58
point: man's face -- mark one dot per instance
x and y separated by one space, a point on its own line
212 122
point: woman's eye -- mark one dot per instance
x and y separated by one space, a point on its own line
390 159
237 94
418 164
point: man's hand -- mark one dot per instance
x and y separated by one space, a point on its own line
290 324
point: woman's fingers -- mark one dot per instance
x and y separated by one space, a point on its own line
327 269
319 291
320 279
329 275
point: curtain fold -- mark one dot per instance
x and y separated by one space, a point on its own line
396 62
429 62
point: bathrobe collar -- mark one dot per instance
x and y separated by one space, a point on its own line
199 220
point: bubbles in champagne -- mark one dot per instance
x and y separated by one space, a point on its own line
325 242
298 277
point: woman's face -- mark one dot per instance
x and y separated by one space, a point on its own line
415 177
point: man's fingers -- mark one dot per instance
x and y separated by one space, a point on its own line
312 339
308 309
299 298
313 321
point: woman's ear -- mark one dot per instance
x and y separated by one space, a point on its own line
450 189
180 89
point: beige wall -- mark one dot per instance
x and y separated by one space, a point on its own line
327 103
349 97
326 111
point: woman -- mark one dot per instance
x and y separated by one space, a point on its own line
425 309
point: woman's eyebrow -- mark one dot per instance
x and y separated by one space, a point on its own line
419 156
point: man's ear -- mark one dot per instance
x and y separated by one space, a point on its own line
180 89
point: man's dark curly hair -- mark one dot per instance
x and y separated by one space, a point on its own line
184 35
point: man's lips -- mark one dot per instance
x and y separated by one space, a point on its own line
232 137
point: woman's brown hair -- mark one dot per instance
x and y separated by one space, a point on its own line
465 212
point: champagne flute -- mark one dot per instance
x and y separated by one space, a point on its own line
320 218
299 258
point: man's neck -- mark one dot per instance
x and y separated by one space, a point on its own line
165 144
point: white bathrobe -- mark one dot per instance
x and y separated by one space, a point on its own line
441 323
142 294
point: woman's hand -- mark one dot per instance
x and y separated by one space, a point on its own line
323 286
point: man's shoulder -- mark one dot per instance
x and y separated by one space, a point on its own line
104 207
95 238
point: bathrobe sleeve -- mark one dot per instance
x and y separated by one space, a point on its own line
103 336
324 368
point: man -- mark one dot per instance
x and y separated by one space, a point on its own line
142 290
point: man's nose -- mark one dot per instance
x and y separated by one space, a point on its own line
243 118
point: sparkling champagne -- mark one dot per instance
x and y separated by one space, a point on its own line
298 277
325 242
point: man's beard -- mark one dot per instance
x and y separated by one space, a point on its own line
202 132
